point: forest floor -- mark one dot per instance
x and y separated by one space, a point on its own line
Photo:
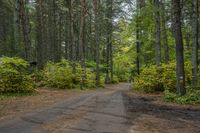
114 109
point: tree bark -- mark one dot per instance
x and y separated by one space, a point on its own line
180 73
96 6
16 27
165 37
81 41
55 46
109 60
195 43
39 30
67 30
73 44
25 25
158 33
137 40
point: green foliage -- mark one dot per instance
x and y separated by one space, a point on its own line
38 77
13 76
169 96
90 77
86 77
115 79
59 75
122 67
157 78
149 80
192 97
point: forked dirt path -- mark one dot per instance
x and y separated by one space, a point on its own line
113 110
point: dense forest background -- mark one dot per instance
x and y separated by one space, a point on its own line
153 43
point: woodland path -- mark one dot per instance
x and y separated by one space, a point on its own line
113 110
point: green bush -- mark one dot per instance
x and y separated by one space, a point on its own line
154 78
38 77
169 96
90 79
13 76
115 79
149 80
59 75
122 67
86 77
192 97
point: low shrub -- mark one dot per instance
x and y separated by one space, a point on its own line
115 79
14 77
122 67
149 80
192 97
90 81
38 76
154 78
59 75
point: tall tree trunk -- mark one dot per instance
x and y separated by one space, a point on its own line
165 37
139 4
195 42
16 27
96 6
81 41
67 29
158 33
180 73
50 30
109 60
60 36
56 44
45 31
137 39
71 31
25 25
39 30
73 44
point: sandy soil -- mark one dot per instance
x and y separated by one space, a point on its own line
15 106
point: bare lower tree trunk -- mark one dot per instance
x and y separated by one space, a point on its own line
60 36
139 4
96 6
180 73
195 43
107 80
109 60
158 33
67 30
71 33
137 39
73 44
165 37
81 41
16 27
40 42
25 25
56 44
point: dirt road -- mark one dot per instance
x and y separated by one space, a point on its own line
113 110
